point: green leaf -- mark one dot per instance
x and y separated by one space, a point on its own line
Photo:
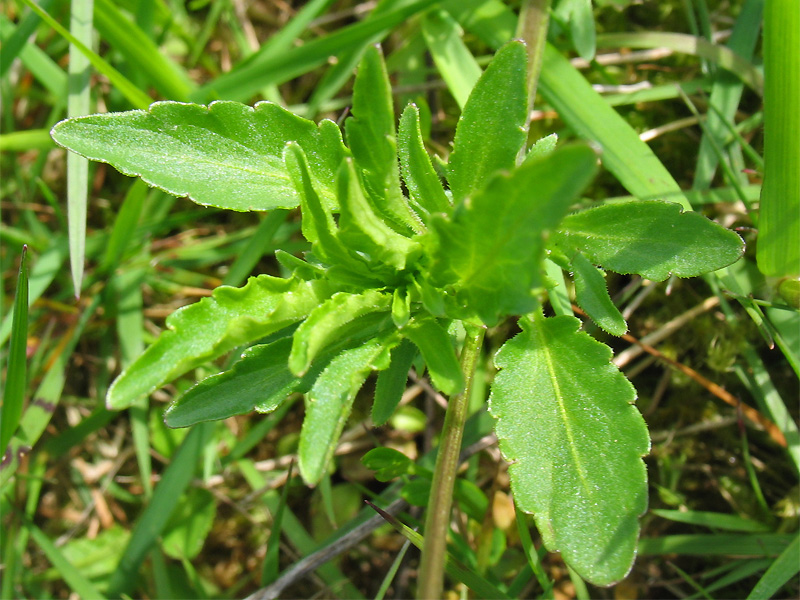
17 372
543 147
227 155
437 350
591 294
567 423
424 185
330 400
491 250
371 138
654 239
364 231
260 380
204 330
491 130
582 29
388 463
189 524
392 383
335 319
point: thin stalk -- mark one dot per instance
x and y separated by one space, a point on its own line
437 521
533 23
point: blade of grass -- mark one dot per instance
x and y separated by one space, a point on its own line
173 483
43 68
17 372
392 572
271 565
135 96
786 566
77 166
769 544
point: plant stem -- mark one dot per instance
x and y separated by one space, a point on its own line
437 521
533 22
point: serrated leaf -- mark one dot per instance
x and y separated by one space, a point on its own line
371 137
227 154
654 239
364 231
392 382
330 400
567 423
199 332
335 319
437 350
591 294
543 147
492 247
491 130
424 185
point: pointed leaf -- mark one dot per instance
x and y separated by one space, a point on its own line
330 400
543 147
566 422
419 175
335 319
227 154
362 230
491 130
197 333
491 250
654 239
371 138
437 350
591 294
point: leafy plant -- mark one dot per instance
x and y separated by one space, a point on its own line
401 266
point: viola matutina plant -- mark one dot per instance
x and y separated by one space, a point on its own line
404 268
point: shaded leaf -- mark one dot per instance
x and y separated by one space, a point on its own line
227 154
591 294
199 332
392 383
566 422
437 350
654 239
189 524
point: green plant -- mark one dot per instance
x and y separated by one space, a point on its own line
395 276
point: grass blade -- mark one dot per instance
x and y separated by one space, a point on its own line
16 379
782 570
77 166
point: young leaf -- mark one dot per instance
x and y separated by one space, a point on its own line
543 147
491 130
371 137
392 383
491 249
227 154
388 463
330 400
654 239
362 230
419 175
204 330
591 294
334 319
437 350
566 422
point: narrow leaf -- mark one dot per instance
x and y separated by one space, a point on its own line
437 350
491 130
371 137
334 319
591 294
491 249
227 154
329 403
17 372
653 239
566 422
392 383
424 185
213 326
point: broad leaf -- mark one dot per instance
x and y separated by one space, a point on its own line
333 320
591 294
567 423
654 239
371 136
492 248
227 154
330 400
492 128
437 350
424 185
392 383
204 330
